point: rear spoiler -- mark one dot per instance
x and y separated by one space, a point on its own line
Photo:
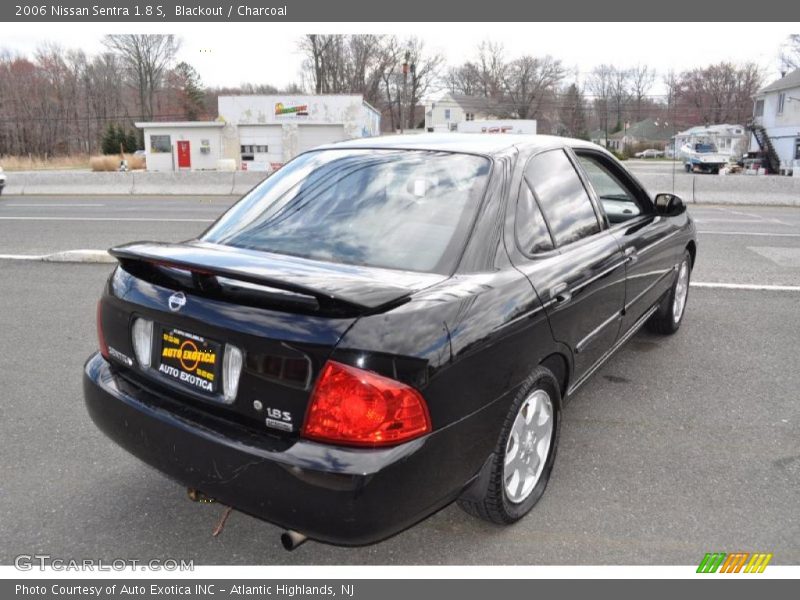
246 275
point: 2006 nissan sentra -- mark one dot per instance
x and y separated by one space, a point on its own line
385 326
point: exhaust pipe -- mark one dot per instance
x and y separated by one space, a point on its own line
198 496
292 540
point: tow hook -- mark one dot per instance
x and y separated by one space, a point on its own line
292 540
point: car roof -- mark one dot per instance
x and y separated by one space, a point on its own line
474 143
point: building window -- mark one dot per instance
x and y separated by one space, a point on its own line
797 149
469 117
262 149
160 143
446 114
781 102
759 109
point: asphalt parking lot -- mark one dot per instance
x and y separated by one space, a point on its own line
678 446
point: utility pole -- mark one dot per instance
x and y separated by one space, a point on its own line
405 82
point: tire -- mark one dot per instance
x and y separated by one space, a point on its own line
669 316
688 167
489 498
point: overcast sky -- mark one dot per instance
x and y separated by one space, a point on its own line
227 54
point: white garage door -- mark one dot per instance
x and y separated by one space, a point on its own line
264 143
311 136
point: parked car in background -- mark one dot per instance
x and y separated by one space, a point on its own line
385 326
650 153
2 180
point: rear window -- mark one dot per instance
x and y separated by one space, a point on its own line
396 209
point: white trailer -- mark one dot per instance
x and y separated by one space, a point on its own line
527 126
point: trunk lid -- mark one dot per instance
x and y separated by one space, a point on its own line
285 314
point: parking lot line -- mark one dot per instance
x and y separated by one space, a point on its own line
761 233
759 217
746 286
68 205
140 219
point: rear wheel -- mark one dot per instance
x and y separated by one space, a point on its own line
524 456
667 319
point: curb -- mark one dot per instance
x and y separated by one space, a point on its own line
67 256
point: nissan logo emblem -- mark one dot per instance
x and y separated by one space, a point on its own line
177 301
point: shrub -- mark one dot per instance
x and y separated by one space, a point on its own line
111 163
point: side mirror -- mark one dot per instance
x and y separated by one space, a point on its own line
669 205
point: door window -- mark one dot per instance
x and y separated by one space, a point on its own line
563 199
618 200
531 229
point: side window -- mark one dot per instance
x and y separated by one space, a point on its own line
619 202
562 197
531 229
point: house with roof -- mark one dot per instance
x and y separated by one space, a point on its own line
776 122
731 140
650 132
448 111
598 136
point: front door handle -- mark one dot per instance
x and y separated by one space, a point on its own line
631 255
560 293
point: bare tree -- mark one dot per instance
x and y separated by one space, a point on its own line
145 59
491 69
424 70
790 53
463 79
642 79
620 94
718 93
528 81
600 84
337 64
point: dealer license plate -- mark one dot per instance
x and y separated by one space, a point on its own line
189 358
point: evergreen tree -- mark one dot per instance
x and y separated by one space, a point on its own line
191 93
110 142
132 141
573 113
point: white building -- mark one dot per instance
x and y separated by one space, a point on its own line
258 132
177 146
448 111
730 140
777 111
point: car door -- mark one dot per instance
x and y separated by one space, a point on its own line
640 232
572 260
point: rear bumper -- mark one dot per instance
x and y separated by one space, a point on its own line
331 494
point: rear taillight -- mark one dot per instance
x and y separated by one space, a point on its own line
101 338
142 334
231 369
351 406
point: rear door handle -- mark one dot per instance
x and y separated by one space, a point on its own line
560 293
631 255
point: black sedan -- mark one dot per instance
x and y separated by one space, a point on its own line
385 326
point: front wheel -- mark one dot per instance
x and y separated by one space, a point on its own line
667 319
523 459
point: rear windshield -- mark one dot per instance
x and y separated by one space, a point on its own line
397 209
